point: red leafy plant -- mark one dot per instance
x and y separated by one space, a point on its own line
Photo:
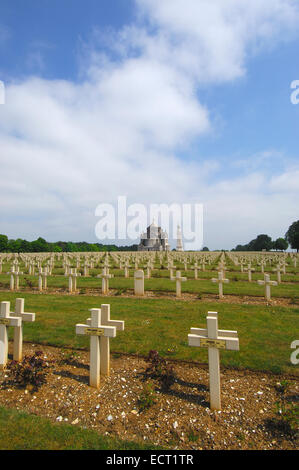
30 372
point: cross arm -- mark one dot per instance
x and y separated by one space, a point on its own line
229 343
204 332
109 331
11 321
118 324
25 316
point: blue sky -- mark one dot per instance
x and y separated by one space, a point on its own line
53 29
164 102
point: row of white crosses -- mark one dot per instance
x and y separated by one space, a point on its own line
101 328
14 319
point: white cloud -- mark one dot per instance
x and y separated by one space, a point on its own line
211 39
66 147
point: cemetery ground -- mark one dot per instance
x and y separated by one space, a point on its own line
140 406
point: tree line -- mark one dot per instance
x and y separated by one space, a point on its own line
41 245
260 243
264 242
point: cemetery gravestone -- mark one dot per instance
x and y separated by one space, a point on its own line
214 340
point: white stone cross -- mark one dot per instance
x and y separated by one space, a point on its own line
105 340
73 279
96 331
106 263
179 279
49 268
31 268
126 267
139 282
195 268
171 267
105 276
262 263
149 268
221 267
14 277
214 339
42 278
241 265
283 266
249 269
220 281
278 271
86 269
5 321
18 331
267 283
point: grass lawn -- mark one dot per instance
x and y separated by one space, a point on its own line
21 431
265 332
238 285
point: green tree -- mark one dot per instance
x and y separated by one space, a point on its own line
55 248
39 245
71 247
3 242
14 246
261 242
280 244
292 235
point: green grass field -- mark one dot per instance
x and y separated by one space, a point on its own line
21 431
265 332
238 284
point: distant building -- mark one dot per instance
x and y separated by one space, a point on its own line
154 239
179 243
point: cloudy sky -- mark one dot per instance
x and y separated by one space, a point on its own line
161 101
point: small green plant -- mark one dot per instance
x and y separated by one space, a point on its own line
121 291
28 282
160 369
240 436
192 436
69 357
30 372
147 397
288 416
283 386
172 350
